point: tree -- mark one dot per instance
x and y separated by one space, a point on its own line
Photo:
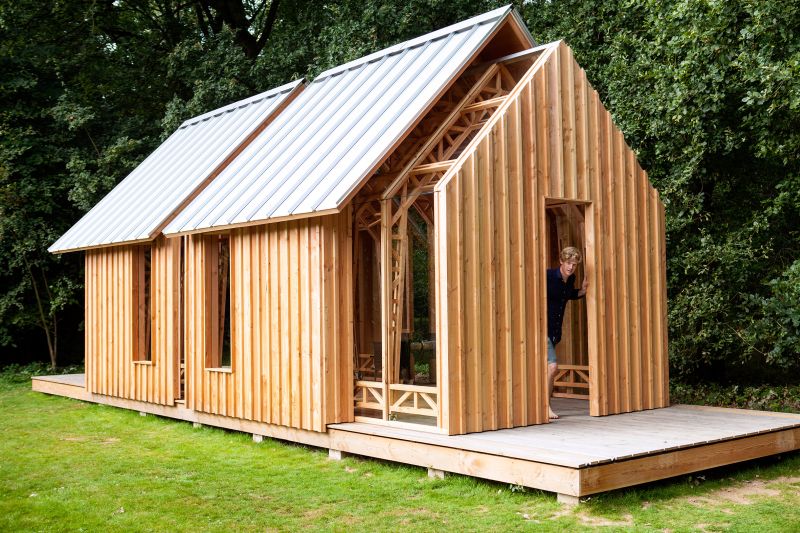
708 94
76 114
89 88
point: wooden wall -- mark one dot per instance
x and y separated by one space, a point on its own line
487 287
112 315
291 325
552 138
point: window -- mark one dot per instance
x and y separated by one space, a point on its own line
142 314
218 322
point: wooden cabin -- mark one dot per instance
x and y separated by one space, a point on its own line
358 263
372 247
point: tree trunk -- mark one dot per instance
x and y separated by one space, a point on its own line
48 326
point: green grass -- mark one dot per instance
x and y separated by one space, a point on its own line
72 466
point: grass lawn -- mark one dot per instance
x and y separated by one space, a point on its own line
72 466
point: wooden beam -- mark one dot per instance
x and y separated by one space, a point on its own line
431 168
665 465
386 299
483 465
485 104
441 130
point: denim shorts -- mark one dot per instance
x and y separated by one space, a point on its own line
551 352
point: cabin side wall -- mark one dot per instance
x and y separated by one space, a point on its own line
553 139
291 326
111 315
581 155
488 285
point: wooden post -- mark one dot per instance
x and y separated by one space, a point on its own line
567 499
434 473
336 455
386 301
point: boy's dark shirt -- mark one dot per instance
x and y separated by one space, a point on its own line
558 294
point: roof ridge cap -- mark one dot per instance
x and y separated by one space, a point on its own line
485 18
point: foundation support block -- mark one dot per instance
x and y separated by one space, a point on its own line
567 499
258 438
336 455
434 473
197 425
142 413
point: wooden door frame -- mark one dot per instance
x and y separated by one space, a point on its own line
589 264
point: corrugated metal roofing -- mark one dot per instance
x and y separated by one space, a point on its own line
321 147
141 203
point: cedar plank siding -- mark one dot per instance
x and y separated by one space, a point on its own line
112 318
552 138
291 335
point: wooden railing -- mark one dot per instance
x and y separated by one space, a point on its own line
414 400
366 366
573 378
407 399
369 395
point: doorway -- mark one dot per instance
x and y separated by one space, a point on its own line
567 223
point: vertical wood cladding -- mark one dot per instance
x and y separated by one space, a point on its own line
552 139
291 331
112 318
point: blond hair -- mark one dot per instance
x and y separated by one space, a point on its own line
570 253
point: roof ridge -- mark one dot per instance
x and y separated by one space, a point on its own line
485 18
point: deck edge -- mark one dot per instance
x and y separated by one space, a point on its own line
640 470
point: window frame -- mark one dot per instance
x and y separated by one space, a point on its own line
218 355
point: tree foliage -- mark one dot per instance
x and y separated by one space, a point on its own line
707 92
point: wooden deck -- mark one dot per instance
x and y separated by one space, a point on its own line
575 456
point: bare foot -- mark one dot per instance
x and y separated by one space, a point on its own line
553 416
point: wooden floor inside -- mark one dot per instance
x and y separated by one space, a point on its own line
574 456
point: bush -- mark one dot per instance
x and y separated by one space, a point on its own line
23 373
785 398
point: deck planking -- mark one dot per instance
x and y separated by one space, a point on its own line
578 440
77 380
574 456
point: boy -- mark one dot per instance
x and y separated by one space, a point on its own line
560 289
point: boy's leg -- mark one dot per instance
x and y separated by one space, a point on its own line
552 368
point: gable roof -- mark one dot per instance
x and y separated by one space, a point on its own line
139 206
331 137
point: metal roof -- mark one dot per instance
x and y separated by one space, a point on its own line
144 201
327 141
